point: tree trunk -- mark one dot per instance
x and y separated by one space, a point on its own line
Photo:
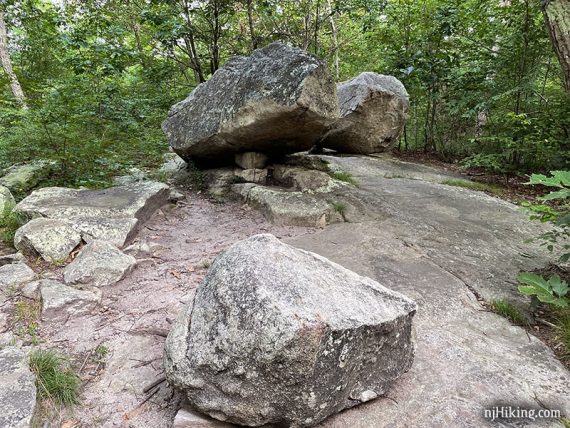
334 39
250 21
7 64
557 17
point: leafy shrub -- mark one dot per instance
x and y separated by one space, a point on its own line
553 291
559 217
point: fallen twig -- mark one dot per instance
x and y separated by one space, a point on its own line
155 383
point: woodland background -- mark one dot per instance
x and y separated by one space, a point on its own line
97 77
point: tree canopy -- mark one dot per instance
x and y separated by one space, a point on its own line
98 76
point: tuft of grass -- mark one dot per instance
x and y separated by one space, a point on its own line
100 353
56 380
339 207
473 185
509 311
343 176
9 223
26 316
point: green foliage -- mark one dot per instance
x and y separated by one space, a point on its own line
56 380
343 176
99 77
508 310
552 291
559 216
339 207
9 223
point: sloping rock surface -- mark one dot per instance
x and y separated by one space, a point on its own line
113 214
22 178
281 336
373 109
277 101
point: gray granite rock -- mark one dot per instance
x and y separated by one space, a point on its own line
277 101
59 300
115 214
373 109
52 239
14 273
98 265
186 417
286 208
17 389
282 336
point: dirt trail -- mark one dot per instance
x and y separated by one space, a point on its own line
135 315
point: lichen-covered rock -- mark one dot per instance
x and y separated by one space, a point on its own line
278 335
51 239
22 178
99 264
115 214
7 202
277 101
59 300
373 109
17 389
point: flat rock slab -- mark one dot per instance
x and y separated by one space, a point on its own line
290 208
113 214
277 335
52 239
17 389
98 265
438 245
59 300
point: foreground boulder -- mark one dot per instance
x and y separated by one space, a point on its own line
115 214
98 265
278 335
17 389
373 110
51 239
277 101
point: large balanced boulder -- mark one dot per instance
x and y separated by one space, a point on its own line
115 214
277 101
373 109
278 335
